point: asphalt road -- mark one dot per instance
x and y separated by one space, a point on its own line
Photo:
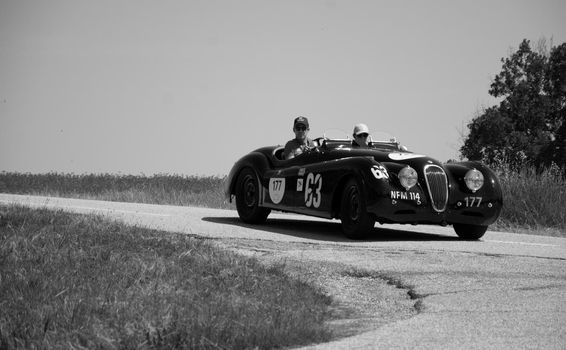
506 291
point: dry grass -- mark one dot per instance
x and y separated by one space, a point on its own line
534 201
156 189
76 281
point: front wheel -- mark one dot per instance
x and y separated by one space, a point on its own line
356 222
470 232
247 198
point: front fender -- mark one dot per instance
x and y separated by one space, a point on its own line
371 175
490 196
491 182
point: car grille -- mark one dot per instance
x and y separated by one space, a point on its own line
437 186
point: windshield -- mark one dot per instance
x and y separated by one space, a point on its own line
336 134
379 136
383 137
377 139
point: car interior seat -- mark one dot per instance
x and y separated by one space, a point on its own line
278 153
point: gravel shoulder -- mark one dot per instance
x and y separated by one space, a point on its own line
430 298
363 300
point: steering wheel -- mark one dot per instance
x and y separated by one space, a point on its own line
319 141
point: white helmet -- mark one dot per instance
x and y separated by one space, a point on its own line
360 129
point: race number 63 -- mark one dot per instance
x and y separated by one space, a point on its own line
379 172
312 190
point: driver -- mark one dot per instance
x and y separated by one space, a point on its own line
361 136
301 142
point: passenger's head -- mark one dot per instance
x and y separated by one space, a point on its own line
361 135
301 128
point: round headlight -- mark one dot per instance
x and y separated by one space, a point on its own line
474 180
408 177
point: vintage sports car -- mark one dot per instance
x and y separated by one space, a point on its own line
383 183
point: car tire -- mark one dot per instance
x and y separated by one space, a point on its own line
470 232
247 198
356 222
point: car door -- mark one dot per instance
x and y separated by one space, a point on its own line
284 186
313 186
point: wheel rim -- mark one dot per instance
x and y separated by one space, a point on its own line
354 198
249 192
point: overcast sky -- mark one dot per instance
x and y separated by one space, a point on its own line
188 87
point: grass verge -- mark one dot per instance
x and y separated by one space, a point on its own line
77 281
534 201
205 191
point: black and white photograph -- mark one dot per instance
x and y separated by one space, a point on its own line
272 174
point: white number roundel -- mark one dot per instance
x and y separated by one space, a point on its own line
276 189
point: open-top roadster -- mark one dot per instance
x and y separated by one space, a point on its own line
383 183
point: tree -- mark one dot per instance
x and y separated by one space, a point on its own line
555 151
527 127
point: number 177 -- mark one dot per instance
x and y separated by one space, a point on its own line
473 201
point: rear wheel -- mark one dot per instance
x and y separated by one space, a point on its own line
247 198
356 222
470 232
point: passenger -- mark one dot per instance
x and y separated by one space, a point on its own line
361 136
301 142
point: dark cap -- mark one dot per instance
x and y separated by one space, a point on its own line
301 120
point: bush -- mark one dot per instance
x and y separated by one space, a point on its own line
533 199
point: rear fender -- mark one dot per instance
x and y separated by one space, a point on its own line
256 161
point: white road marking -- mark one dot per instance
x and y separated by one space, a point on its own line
70 207
523 243
115 210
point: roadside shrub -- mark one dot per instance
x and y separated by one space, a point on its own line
533 199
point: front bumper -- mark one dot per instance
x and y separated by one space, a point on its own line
408 210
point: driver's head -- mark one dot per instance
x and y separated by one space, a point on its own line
361 134
301 128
